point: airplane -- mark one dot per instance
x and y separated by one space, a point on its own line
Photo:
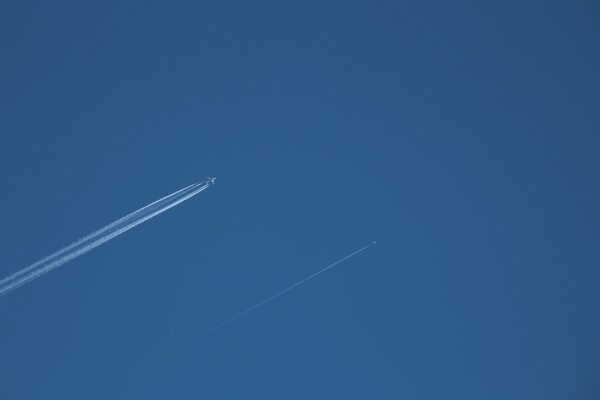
211 180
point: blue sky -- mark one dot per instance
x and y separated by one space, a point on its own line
462 136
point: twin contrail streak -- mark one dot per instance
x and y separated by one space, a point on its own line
281 292
91 236
99 237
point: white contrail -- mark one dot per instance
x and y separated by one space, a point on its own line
281 292
97 238
93 235
261 303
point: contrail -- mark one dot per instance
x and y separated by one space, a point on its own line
93 235
99 237
259 304
281 292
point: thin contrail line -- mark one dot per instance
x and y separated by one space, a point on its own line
229 320
281 292
91 236
71 252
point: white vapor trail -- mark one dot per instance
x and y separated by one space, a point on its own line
260 304
281 292
99 237
93 235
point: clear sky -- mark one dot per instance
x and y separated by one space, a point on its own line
462 136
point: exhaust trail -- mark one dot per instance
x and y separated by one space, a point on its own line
281 292
188 342
95 234
100 237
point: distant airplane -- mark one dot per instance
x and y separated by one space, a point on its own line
211 180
